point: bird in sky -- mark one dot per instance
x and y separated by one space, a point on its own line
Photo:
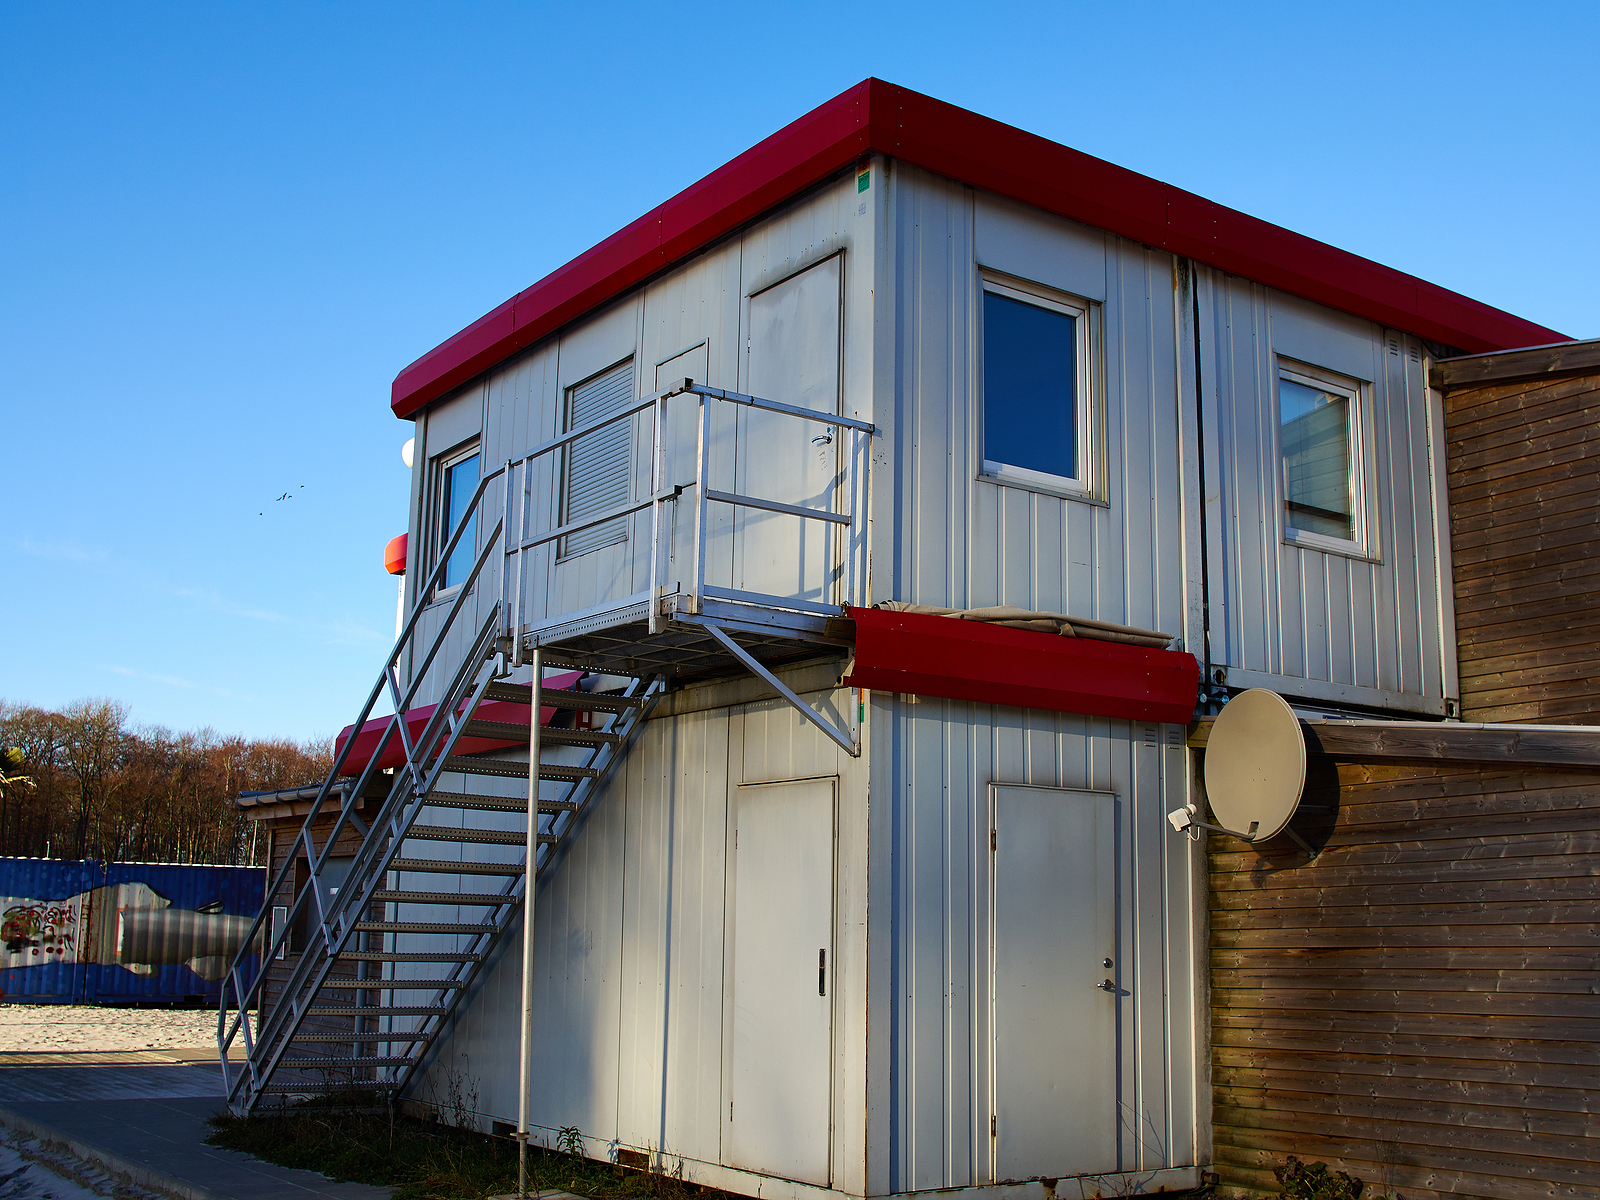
285 496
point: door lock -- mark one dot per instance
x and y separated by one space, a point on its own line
1105 985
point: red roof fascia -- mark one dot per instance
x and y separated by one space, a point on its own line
991 664
812 148
394 752
878 117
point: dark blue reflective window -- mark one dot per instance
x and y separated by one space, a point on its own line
460 481
1030 412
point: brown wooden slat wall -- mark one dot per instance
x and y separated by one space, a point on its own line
1524 473
1420 1004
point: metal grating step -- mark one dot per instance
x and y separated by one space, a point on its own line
521 693
350 1039
516 804
516 770
479 837
422 985
416 927
346 1064
443 866
378 1010
481 899
505 731
312 1089
410 956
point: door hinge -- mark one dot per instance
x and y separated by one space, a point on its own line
994 1127
994 839
730 1110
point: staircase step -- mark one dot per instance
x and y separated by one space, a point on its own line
516 804
346 1064
423 985
409 956
311 1089
416 927
483 899
516 770
504 731
378 1010
443 866
346 1039
479 837
521 693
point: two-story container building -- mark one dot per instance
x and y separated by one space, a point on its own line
846 900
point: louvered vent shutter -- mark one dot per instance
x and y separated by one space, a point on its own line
598 466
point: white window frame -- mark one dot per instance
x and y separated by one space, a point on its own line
1088 395
1357 395
441 519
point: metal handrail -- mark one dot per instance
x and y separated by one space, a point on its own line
244 994
850 488
502 632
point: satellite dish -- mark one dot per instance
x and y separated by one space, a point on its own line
1255 765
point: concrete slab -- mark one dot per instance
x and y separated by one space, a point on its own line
148 1123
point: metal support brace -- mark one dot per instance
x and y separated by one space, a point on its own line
851 746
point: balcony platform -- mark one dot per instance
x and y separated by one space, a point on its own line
615 639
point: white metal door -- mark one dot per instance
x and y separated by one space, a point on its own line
793 358
1055 1020
780 1086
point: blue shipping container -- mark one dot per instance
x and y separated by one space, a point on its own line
139 933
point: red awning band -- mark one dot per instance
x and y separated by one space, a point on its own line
970 660
417 718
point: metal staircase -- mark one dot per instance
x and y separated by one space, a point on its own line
357 1013
386 956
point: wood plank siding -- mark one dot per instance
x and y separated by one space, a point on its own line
1522 431
1418 1005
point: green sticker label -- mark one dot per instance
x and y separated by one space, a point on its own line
863 181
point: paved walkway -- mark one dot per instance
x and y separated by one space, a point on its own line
142 1114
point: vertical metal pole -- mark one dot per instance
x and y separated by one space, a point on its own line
522 559
853 527
505 550
655 515
525 1064
700 501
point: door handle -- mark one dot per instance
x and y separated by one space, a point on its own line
1105 985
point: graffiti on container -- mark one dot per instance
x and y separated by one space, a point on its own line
38 930
126 924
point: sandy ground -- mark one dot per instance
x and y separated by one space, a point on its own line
31 1171
58 1027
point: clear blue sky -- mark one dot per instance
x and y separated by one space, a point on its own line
225 227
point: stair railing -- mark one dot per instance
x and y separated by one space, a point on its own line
238 994
501 637
845 563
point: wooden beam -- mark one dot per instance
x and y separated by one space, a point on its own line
1534 745
1564 358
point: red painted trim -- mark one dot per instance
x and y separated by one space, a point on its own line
394 554
879 117
970 660
416 718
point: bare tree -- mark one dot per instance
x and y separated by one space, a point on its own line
106 791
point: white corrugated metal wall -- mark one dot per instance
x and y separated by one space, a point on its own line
956 540
1309 622
631 931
